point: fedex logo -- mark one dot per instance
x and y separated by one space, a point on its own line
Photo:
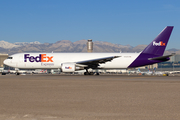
159 44
68 67
40 58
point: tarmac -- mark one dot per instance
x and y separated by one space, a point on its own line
77 97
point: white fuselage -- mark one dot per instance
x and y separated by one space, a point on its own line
55 60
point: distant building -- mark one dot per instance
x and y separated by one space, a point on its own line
174 62
175 58
2 58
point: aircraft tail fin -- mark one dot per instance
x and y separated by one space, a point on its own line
153 53
158 45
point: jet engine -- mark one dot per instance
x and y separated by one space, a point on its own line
70 67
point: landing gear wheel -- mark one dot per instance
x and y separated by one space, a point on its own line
3 73
91 73
17 73
97 73
86 73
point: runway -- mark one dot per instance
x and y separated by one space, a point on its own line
74 97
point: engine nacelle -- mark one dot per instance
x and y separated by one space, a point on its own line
68 67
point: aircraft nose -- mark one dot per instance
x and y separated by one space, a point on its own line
5 61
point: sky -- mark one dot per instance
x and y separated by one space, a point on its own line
125 22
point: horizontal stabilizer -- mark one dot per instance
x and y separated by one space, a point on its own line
162 58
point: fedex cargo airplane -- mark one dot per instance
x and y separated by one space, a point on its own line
71 62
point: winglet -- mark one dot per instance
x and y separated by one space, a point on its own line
158 45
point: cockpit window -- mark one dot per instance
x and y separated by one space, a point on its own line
10 58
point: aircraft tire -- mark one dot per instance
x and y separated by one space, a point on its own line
17 73
85 73
91 73
88 73
3 73
97 73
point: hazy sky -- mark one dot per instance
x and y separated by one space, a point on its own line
123 22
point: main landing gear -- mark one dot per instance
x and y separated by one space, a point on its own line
90 73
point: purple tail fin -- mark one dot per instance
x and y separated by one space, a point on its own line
153 53
158 45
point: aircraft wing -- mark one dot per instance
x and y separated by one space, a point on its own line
93 63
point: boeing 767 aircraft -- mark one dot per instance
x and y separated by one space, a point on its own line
71 62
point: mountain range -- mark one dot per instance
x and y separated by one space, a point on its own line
68 46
